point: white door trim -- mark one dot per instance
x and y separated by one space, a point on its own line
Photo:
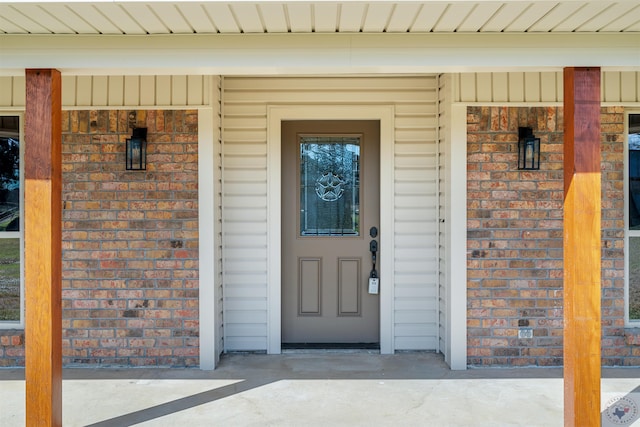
457 244
206 239
275 116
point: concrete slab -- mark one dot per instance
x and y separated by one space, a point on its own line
320 389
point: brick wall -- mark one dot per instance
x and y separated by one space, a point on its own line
515 242
11 348
130 243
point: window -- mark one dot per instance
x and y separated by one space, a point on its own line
632 206
11 244
329 185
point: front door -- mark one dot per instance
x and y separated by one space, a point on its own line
330 202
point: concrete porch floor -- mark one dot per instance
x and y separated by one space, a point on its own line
321 389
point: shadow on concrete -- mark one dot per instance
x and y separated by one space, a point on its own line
251 371
178 405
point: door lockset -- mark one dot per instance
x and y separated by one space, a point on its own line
374 281
373 247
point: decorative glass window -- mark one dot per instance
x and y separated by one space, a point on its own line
11 295
633 217
329 185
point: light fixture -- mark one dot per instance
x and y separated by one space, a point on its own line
136 154
528 149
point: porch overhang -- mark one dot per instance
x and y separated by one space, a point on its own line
315 54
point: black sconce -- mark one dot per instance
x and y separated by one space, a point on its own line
528 149
136 154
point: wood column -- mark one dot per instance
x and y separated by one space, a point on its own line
582 241
43 247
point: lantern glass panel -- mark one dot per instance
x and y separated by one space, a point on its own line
136 154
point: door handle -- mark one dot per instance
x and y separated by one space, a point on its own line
374 281
373 247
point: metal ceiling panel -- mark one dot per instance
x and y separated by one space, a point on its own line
403 16
453 17
556 16
222 17
9 26
97 20
378 15
579 17
144 15
504 16
299 18
275 16
197 17
351 17
248 17
625 21
20 19
325 17
607 16
47 20
74 21
123 19
170 17
428 16
478 17
529 17
635 27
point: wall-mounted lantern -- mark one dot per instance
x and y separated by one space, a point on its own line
136 154
528 149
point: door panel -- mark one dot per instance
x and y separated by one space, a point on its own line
330 200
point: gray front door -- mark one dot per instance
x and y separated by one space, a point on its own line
330 201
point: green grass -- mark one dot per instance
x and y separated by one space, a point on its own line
634 278
10 279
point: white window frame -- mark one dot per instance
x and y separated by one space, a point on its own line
627 233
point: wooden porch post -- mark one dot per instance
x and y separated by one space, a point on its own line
43 247
582 242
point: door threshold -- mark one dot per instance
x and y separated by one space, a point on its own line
329 351
370 348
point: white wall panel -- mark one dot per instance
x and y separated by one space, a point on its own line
118 91
539 87
245 161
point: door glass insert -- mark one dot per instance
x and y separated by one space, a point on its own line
329 185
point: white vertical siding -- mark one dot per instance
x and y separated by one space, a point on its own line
245 199
544 87
217 216
117 91
444 103
416 214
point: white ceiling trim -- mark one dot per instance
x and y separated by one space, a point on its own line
312 54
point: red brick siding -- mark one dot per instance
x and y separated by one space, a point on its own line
515 242
130 243
11 348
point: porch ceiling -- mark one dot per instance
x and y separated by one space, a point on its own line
139 17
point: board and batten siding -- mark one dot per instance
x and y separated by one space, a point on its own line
245 199
617 87
118 91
